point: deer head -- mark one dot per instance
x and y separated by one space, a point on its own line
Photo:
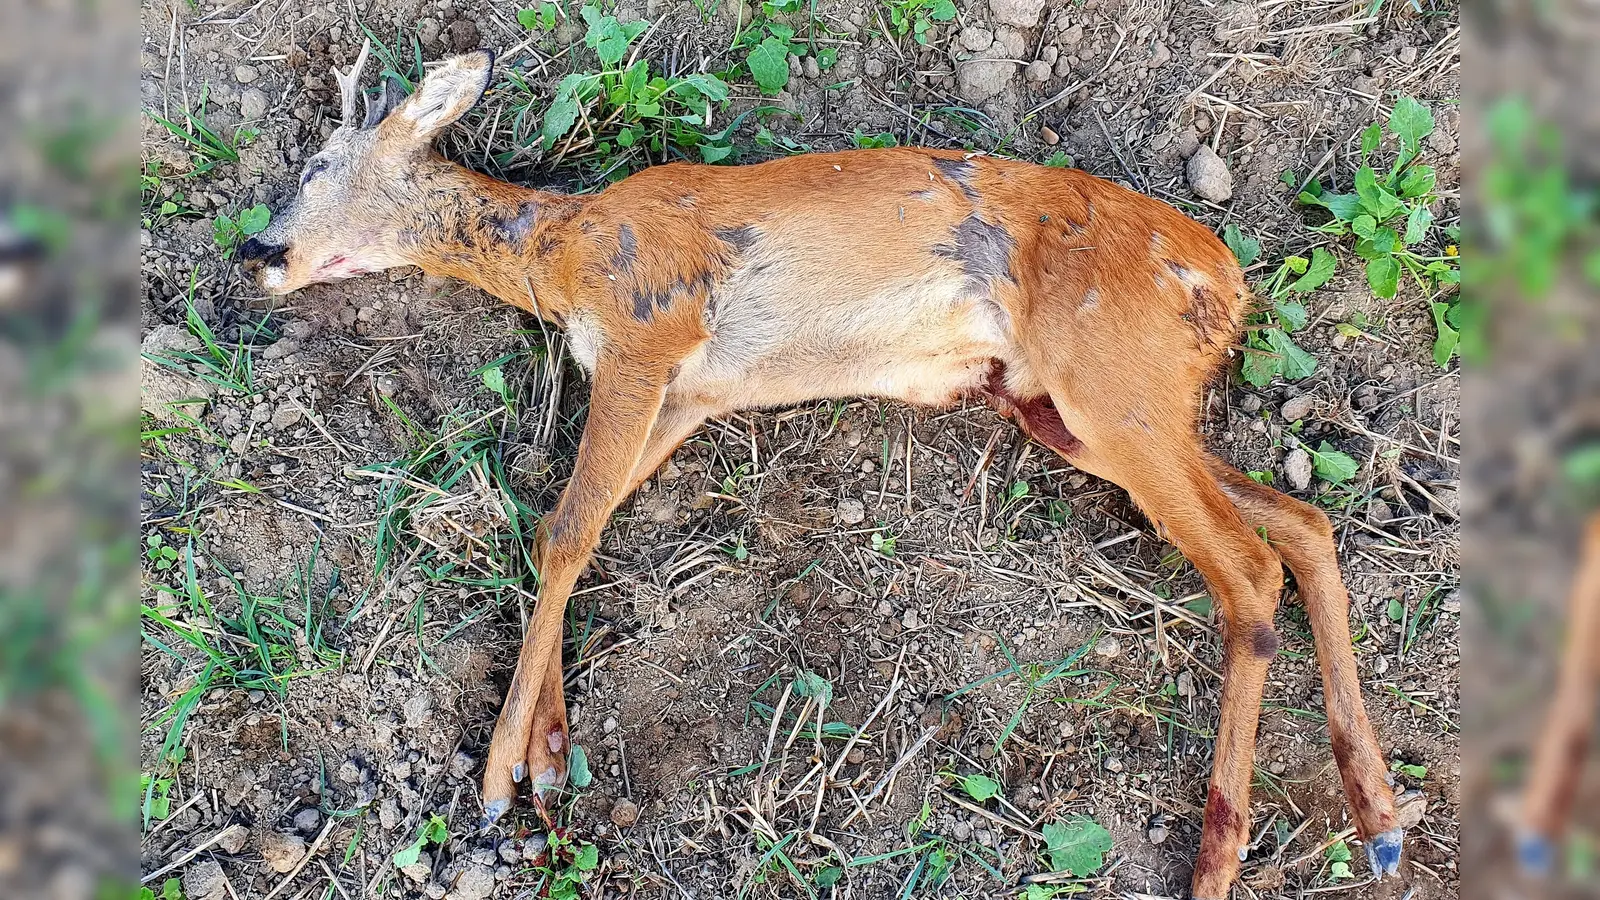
354 197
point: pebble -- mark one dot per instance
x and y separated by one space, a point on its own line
350 771
1408 55
975 38
812 68
475 882
1157 832
245 74
1297 468
282 852
962 831
851 512
1185 684
204 881
1409 808
1072 37
1113 764
624 813
1209 175
1048 135
233 839
1296 408
1021 13
609 725
421 870
855 756
253 103
461 764
463 35
1108 646
1038 71
307 820
875 68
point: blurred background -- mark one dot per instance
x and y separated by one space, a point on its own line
68 257
68 203
1532 466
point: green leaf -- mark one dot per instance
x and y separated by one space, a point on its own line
1258 368
769 65
578 768
1363 226
1449 339
1294 362
980 787
1318 272
1582 466
1370 137
1411 122
1291 315
1417 182
943 10
712 153
529 19
1409 770
827 58
1077 845
1417 225
709 86
495 380
828 876
1383 275
1331 465
1245 249
1396 611
561 115
172 889
1343 206
1374 197
587 859
810 684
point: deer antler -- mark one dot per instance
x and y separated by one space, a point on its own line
350 85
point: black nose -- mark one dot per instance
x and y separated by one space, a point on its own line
255 251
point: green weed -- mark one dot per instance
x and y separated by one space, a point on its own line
230 232
917 17
171 889
433 831
1077 845
1388 215
207 147
232 369
567 865
1269 350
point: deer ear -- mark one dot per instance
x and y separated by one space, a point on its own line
444 96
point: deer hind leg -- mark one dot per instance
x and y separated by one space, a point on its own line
1303 538
1564 743
1160 464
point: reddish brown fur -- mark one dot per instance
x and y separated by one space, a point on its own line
1558 759
1091 314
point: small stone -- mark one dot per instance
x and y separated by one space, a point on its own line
233 839
307 820
1160 56
609 725
1113 764
1048 135
475 882
282 852
624 813
245 74
1209 175
1185 684
875 68
1021 13
1072 37
1188 142
1063 67
1409 808
1038 71
962 831
1297 468
350 772
417 709
463 35
975 38
421 870
204 881
1108 646
979 79
855 756
1408 55
428 31
286 416
812 68
1157 832
1297 408
851 512
253 104
461 764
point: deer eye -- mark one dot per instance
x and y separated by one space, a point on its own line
312 171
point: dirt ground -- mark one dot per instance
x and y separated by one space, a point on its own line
928 571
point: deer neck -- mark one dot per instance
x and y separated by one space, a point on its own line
508 240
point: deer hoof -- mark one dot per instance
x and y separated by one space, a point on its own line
1383 852
492 812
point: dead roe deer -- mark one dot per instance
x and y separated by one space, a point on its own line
1092 315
